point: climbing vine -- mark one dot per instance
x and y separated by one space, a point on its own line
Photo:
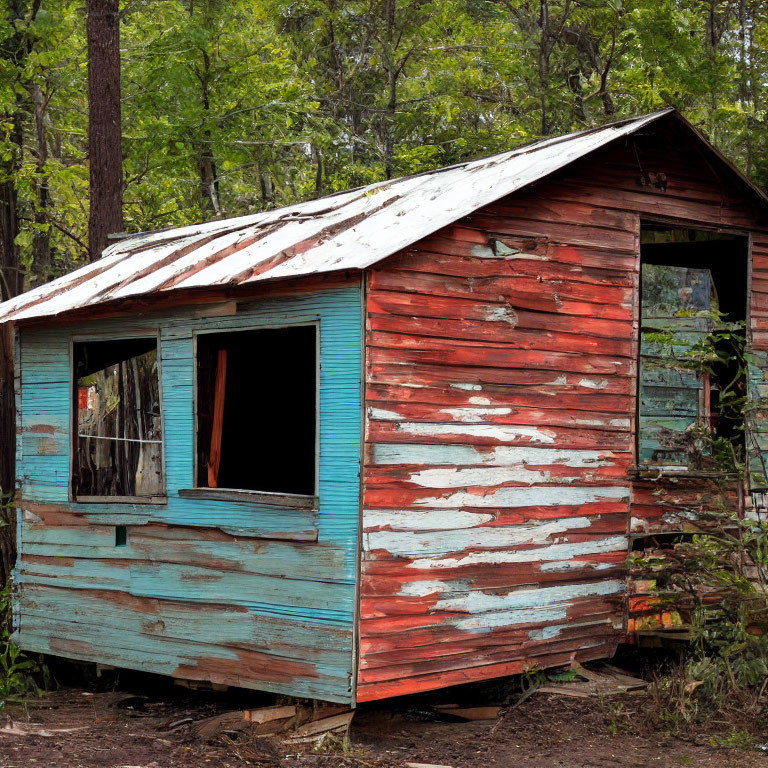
709 570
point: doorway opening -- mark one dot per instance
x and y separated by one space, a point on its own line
691 372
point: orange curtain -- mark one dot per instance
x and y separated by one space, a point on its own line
214 455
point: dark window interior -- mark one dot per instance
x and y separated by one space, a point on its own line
256 410
685 273
119 440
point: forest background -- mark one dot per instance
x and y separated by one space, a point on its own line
235 106
203 109
143 114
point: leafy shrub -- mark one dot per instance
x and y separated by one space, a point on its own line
18 674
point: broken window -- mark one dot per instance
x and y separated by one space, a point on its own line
257 410
692 282
119 440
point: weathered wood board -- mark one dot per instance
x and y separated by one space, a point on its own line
234 592
501 394
499 446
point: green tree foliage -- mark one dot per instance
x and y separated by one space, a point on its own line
234 106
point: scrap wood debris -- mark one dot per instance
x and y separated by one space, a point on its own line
609 681
469 713
426 765
294 724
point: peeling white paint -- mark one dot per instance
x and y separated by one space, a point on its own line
540 496
638 524
381 414
475 415
485 477
500 455
497 619
431 587
31 517
594 383
501 314
521 599
457 540
479 400
465 385
537 554
575 565
624 423
483 252
555 630
547 633
424 520
528 256
505 433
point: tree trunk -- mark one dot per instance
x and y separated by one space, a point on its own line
318 157
7 409
15 49
267 188
11 275
544 51
209 176
104 124
389 124
390 64
41 242
7 455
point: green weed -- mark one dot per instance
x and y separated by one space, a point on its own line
19 674
736 739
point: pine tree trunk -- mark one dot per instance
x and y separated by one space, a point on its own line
104 124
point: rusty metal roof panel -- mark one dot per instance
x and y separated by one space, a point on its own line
348 230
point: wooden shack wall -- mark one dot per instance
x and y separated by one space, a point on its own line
501 399
232 593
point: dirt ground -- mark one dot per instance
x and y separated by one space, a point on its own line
149 726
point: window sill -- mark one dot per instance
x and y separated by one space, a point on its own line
264 498
120 499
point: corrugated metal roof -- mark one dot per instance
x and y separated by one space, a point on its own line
348 230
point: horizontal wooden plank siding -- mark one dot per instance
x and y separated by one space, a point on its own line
235 592
499 397
499 490
501 389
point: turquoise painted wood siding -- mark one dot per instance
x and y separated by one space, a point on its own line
757 417
671 395
237 593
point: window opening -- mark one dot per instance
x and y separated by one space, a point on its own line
119 437
257 410
692 283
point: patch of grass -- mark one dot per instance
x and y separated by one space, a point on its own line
736 739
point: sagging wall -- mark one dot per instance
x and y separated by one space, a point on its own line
234 593
501 400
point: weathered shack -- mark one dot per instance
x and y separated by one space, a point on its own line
386 441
